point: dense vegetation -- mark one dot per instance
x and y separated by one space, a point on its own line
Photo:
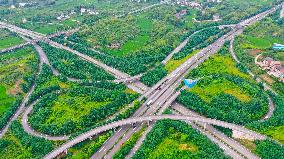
8 39
17 70
153 76
199 41
258 39
60 100
174 63
224 92
41 16
82 96
232 11
88 147
274 126
18 144
151 36
268 149
73 66
128 145
175 139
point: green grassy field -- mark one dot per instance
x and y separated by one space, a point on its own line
17 70
135 33
260 43
173 64
54 27
131 46
219 86
5 100
173 139
219 64
258 39
146 25
14 66
39 16
67 107
7 39
87 148
9 42
18 144
224 91
276 133
236 10
70 108
174 144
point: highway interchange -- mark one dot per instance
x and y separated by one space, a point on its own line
159 97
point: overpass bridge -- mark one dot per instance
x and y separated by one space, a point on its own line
14 47
260 16
162 92
129 79
135 120
34 41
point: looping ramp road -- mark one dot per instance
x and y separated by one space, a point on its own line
129 121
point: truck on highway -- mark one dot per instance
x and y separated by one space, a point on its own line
149 103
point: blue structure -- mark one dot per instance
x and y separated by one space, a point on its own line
278 47
190 83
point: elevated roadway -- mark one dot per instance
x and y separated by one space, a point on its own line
160 93
33 41
167 82
14 47
137 86
130 121
29 130
183 44
229 145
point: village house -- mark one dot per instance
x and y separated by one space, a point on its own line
24 20
22 4
273 68
12 7
216 17
189 4
266 63
82 10
275 64
115 46
89 11
217 1
180 14
278 72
